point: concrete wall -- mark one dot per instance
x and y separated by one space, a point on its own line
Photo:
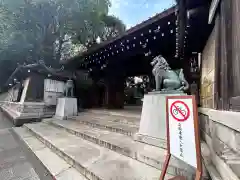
220 130
208 71
52 91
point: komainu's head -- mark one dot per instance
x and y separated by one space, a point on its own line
160 62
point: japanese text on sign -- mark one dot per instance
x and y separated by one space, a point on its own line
181 130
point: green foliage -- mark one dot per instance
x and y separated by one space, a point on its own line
31 30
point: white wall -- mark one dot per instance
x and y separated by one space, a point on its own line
53 89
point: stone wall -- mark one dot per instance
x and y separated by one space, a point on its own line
208 71
220 130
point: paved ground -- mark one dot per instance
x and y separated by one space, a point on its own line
16 160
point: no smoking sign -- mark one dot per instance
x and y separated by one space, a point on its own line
180 111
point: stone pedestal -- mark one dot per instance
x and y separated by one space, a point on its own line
66 107
152 128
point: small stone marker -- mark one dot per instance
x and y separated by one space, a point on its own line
183 141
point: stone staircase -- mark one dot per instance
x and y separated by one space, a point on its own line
98 146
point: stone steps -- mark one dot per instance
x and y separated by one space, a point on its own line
125 145
90 159
115 118
121 113
57 167
110 125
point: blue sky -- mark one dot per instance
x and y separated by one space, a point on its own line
132 12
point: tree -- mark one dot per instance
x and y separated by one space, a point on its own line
52 29
113 28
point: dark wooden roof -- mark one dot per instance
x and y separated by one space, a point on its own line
24 71
129 32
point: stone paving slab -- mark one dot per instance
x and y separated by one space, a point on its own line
90 159
51 161
125 145
70 174
56 166
13 161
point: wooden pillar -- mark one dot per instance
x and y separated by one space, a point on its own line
224 46
234 49
94 95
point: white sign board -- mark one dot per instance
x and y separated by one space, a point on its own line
182 140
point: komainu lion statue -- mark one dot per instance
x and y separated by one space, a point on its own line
68 91
167 79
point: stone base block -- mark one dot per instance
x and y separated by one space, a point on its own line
25 112
162 143
152 128
66 107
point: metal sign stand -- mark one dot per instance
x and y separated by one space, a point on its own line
197 140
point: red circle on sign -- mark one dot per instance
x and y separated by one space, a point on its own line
174 110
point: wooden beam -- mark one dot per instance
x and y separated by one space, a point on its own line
212 10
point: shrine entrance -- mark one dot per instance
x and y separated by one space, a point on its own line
169 33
